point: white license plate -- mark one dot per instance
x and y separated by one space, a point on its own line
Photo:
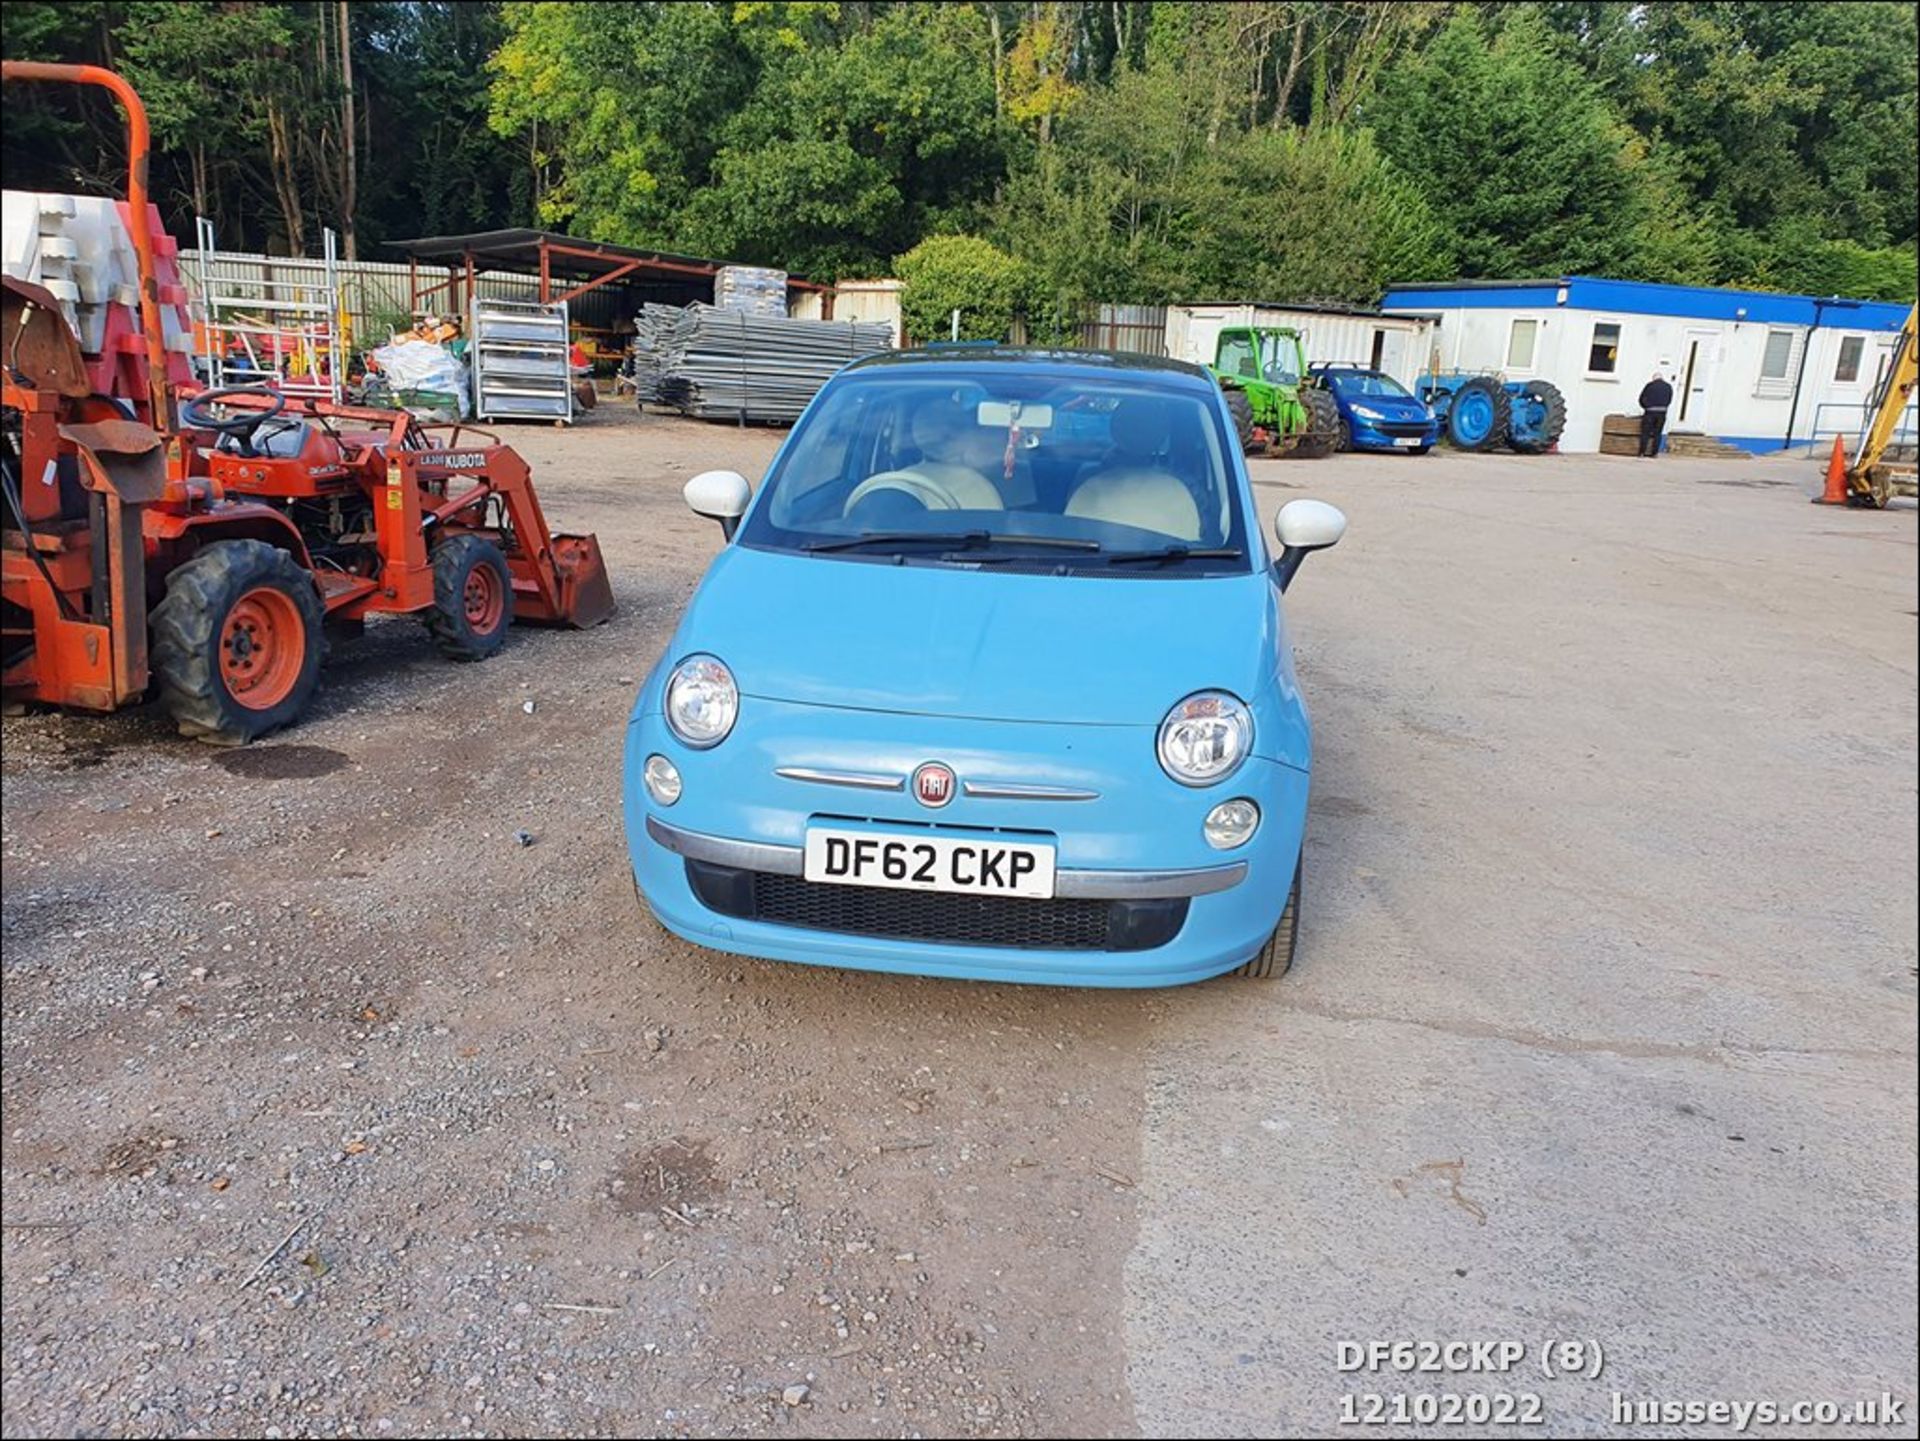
968 865
1408 441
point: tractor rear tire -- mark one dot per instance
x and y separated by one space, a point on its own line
1543 398
238 642
1242 410
472 597
1276 956
1322 435
1480 415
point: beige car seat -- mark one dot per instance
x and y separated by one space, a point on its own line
1133 489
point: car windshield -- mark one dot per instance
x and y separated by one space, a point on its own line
993 466
1358 383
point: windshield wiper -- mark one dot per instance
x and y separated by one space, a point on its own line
1169 553
964 539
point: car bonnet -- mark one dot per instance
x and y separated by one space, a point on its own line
983 644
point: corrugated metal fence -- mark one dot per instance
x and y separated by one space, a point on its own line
1138 328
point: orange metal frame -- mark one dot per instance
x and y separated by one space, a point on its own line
139 147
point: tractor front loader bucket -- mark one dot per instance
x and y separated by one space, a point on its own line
586 598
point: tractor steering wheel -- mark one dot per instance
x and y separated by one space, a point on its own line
241 427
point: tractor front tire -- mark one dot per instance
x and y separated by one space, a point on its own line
1546 408
1242 411
1276 956
472 597
237 642
1322 436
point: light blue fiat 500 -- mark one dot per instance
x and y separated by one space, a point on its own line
991 679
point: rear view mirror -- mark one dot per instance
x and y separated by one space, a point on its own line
1302 527
1003 415
720 495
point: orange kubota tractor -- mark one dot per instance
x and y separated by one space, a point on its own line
207 555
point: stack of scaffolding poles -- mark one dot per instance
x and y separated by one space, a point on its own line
717 364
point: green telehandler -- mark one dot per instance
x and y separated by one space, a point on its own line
1277 407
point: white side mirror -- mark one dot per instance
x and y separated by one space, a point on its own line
1302 527
720 495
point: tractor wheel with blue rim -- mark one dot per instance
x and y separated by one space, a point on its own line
1480 414
1539 415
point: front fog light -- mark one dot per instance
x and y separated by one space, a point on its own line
663 780
1231 823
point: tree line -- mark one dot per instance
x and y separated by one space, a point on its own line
1122 151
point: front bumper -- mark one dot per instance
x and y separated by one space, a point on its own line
1388 434
1141 899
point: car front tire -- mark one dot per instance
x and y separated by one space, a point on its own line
1276 956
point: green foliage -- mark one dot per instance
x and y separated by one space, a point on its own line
1130 204
945 273
849 154
1519 155
1139 150
1794 256
1315 214
761 132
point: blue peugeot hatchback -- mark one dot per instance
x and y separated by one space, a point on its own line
1377 412
991 680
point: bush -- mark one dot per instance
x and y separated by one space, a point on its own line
944 273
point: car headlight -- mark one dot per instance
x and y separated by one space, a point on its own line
1367 412
1204 738
702 701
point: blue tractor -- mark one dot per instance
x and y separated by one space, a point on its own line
1479 412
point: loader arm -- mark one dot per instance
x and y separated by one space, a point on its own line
1896 391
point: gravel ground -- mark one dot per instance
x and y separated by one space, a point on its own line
554 1171
330 1108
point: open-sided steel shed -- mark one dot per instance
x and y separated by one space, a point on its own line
567 268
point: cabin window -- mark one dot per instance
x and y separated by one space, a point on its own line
1603 356
1847 371
1520 343
1778 356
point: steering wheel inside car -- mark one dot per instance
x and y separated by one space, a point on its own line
241 427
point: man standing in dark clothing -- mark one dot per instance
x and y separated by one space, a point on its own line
1655 396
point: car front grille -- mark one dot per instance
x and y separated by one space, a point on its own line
1012 921
1401 427
933 916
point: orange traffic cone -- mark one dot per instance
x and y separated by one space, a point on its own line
1836 491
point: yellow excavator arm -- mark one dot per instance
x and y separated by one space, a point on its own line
1868 479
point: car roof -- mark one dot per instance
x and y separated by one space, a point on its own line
960 359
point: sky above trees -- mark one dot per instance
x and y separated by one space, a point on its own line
1117 151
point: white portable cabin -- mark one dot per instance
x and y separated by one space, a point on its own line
1754 369
1395 344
